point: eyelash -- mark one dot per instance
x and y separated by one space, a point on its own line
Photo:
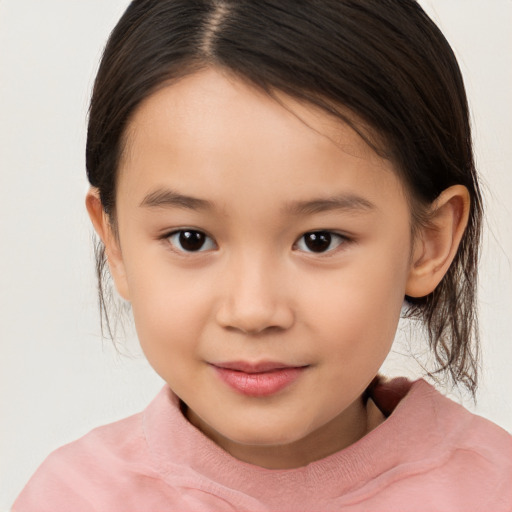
317 237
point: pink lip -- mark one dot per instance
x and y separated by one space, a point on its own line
258 379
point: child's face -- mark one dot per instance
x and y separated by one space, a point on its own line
245 179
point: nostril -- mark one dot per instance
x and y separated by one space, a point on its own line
271 329
253 320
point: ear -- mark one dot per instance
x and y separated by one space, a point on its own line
105 231
436 244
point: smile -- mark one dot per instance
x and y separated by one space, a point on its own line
258 380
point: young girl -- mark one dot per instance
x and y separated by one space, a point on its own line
274 184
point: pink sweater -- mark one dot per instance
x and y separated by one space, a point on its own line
430 454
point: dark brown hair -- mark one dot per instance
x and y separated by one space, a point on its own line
383 61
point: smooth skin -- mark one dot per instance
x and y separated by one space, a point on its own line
248 179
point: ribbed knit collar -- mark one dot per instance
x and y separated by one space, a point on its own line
186 457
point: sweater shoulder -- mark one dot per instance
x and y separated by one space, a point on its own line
487 448
120 441
476 434
475 458
74 476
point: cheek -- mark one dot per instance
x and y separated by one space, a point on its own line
358 311
170 310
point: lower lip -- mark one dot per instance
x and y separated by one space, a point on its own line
259 384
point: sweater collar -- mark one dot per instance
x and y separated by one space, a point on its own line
185 456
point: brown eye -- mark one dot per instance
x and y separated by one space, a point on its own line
189 240
319 241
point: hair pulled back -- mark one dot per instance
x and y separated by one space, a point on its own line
384 61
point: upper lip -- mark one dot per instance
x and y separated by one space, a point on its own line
260 367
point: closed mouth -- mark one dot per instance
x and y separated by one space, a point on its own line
258 367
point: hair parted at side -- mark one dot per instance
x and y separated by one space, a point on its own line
377 64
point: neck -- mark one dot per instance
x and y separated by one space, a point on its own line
342 431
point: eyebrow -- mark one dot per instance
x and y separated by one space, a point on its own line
343 202
166 198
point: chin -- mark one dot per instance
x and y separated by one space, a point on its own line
265 435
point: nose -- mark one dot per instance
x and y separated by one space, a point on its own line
254 298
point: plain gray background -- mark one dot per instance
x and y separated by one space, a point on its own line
58 378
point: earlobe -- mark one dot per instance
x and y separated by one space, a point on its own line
436 244
103 227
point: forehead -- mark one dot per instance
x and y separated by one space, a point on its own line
211 128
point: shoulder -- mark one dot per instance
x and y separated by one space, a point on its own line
479 456
99 471
466 431
418 405
72 467
481 452
454 458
